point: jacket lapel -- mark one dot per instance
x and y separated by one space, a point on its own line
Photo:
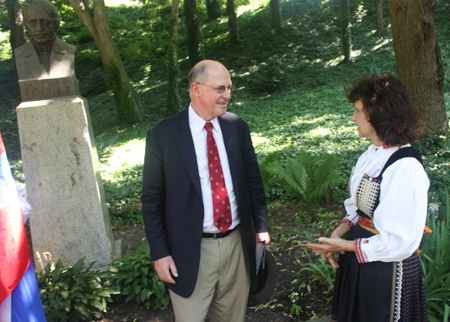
57 57
187 150
32 61
231 143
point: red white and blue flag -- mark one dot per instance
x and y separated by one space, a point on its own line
20 299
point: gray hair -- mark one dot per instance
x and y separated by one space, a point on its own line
198 73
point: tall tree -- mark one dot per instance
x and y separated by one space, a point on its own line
173 96
379 9
345 30
418 57
213 9
17 37
276 14
194 36
232 22
96 22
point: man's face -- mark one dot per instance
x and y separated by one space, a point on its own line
41 27
212 103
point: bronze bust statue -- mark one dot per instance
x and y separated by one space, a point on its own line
45 55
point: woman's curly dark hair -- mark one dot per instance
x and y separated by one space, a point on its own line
388 106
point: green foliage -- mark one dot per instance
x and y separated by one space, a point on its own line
75 293
270 186
435 151
268 77
320 272
435 261
295 309
309 177
289 84
97 83
134 273
124 197
126 104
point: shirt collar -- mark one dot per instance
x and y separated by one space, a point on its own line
197 123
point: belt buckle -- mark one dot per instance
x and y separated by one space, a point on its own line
215 235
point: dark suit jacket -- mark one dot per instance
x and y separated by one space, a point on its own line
61 61
172 203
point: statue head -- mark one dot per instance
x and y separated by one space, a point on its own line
41 20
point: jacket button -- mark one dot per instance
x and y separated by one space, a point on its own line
197 243
200 218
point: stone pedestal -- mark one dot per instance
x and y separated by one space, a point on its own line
69 219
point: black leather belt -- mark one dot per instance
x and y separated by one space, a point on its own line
219 235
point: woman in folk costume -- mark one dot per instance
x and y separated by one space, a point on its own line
379 277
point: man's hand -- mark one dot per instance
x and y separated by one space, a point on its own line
262 237
164 267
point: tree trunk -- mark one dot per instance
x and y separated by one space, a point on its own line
97 24
17 37
276 14
173 96
379 6
213 9
232 23
418 57
345 31
194 36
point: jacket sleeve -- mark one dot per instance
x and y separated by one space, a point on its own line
153 198
255 186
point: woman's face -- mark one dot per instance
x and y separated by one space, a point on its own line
365 128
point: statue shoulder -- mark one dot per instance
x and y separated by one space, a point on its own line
23 50
70 49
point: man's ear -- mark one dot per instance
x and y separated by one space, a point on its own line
195 89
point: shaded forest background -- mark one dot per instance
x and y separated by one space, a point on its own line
289 81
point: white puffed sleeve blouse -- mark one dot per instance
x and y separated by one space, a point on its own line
401 214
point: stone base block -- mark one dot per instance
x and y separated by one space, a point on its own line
69 219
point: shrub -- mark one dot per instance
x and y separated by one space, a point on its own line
308 178
435 151
135 274
123 189
74 294
435 261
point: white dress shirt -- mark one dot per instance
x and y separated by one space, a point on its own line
199 135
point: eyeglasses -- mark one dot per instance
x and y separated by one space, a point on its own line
220 89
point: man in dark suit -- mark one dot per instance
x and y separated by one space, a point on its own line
203 202
45 56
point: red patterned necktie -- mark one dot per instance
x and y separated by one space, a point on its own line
221 202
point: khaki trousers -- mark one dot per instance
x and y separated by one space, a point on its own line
222 285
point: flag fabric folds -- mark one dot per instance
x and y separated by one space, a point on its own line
20 299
